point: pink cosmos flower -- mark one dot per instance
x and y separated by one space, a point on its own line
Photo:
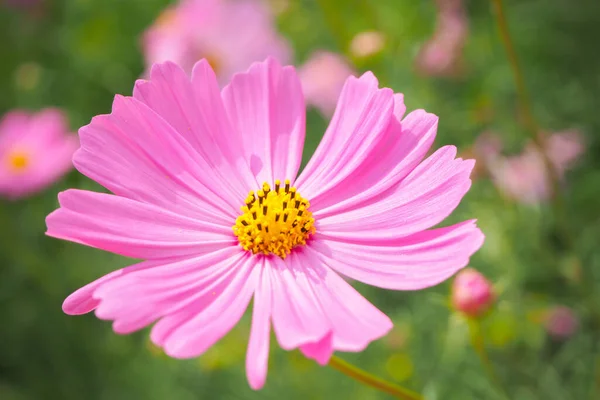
181 157
525 176
441 55
229 34
323 77
35 151
472 293
564 148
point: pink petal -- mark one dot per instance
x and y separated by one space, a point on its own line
48 127
136 154
359 124
12 127
131 228
81 301
204 327
414 262
266 107
423 199
195 110
316 310
320 351
403 148
257 356
165 287
297 316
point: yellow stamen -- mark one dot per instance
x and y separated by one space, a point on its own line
18 161
276 223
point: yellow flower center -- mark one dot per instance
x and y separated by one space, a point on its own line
18 161
274 221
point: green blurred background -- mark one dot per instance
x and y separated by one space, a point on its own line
76 54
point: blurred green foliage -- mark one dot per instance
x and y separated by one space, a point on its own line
77 54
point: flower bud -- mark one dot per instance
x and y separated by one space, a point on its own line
472 293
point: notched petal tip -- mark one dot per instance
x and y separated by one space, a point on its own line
321 350
157 70
368 77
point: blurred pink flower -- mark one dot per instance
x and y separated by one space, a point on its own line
561 322
524 177
367 43
472 293
35 151
229 34
182 156
323 76
441 55
564 148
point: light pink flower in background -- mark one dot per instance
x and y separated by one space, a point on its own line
182 156
522 177
472 293
564 148
525 176
561 322
366 44
323 76
488 146
229 34
441 55
35 151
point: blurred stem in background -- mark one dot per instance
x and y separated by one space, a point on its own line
372 380
478 343
539 140
524 98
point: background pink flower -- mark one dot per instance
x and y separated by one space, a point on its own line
522 177
181 156
35 151
441 55
229 34
561 322
323 76
564 148
525 176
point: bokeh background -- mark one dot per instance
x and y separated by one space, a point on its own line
76 54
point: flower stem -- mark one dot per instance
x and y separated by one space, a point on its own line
524 98
522 92
372 380
478 343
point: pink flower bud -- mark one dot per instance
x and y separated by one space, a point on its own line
561 322
472 293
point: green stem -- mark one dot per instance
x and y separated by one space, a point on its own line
522 93
372 380
478 343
